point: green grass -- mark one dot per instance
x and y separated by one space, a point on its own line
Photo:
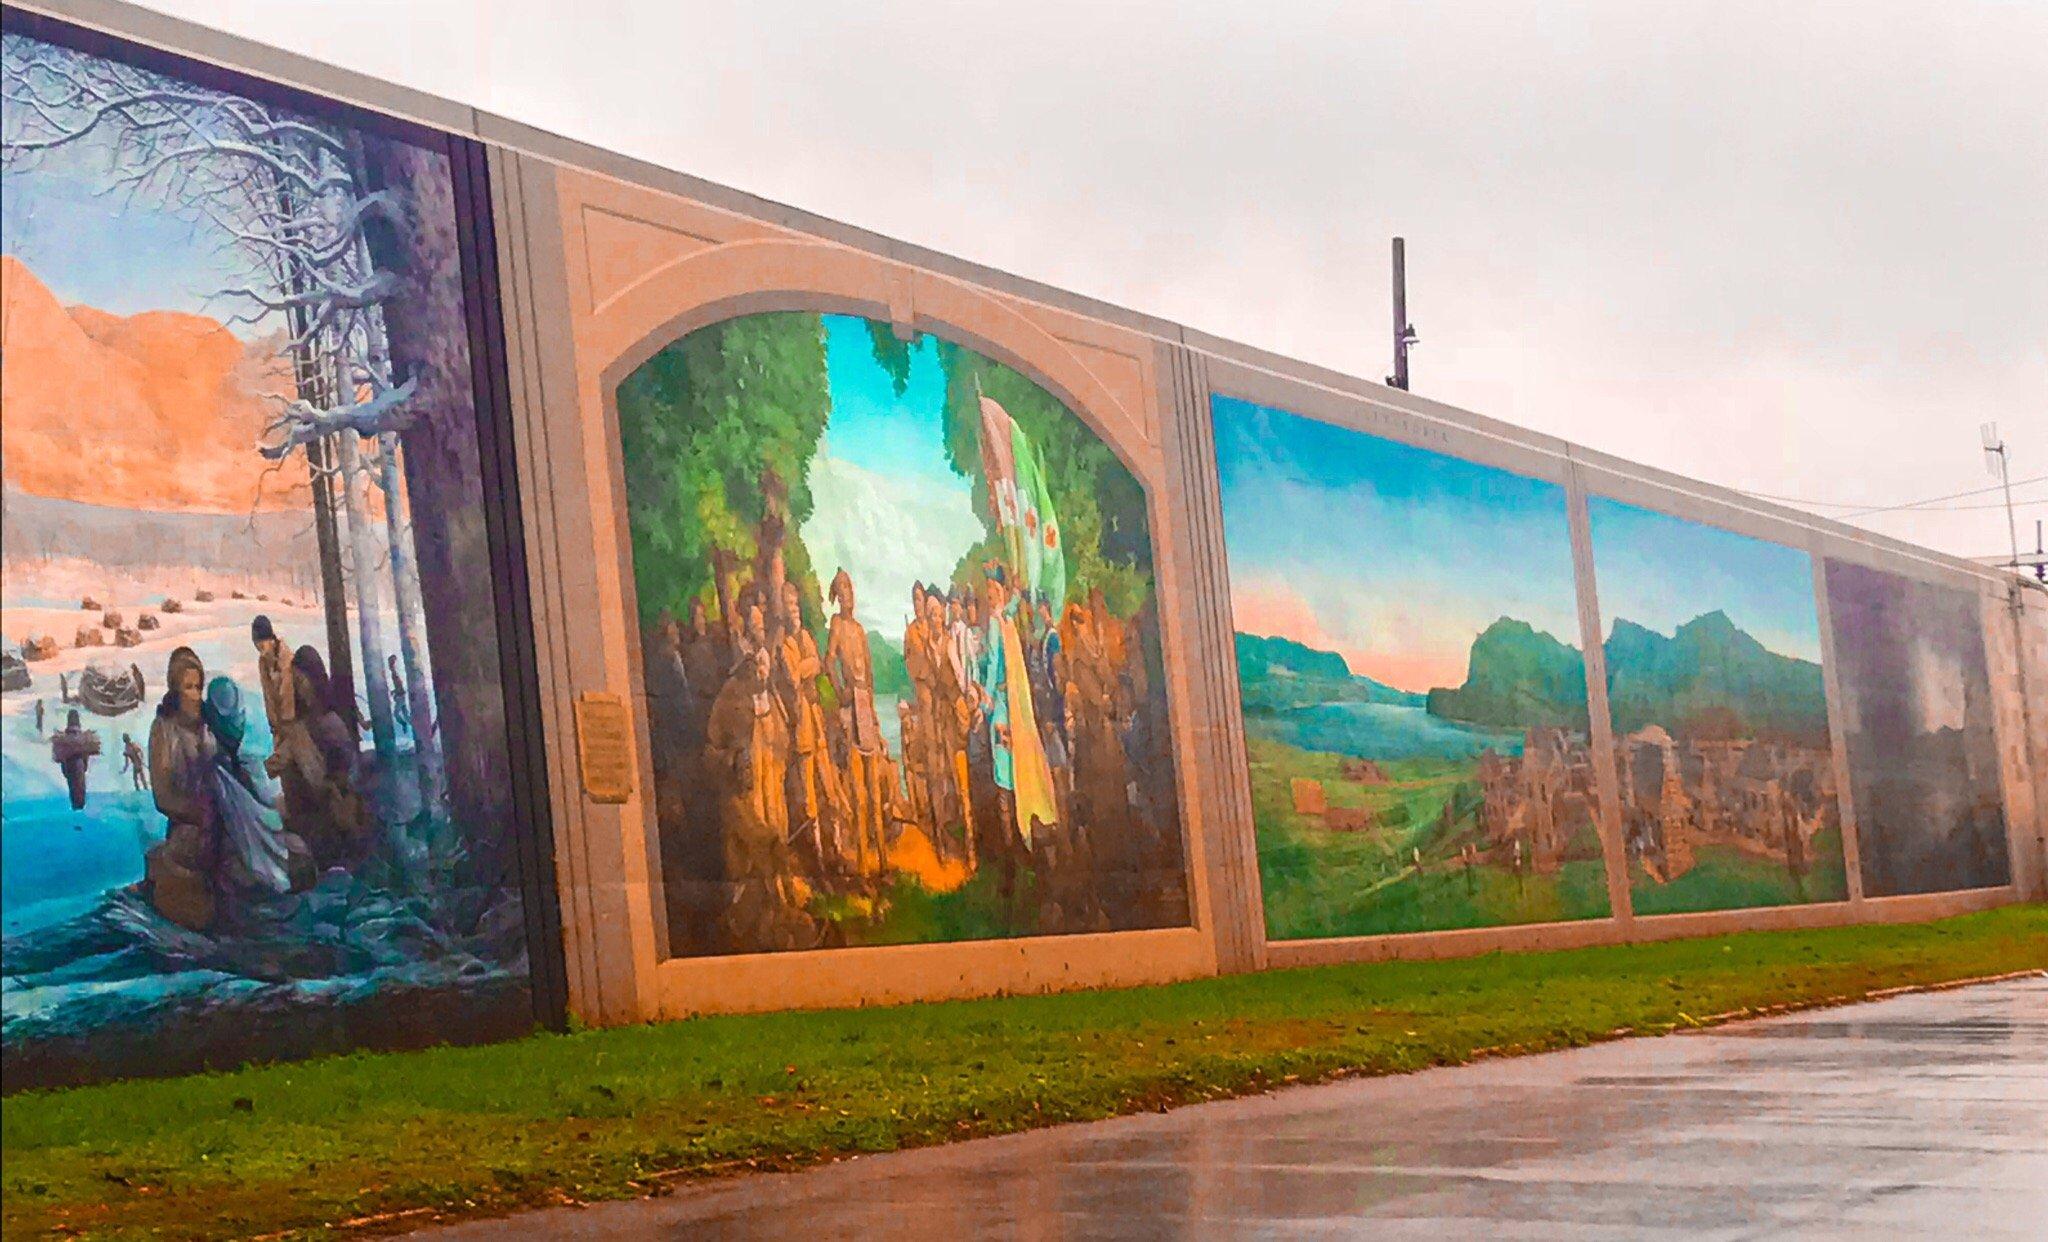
1323 883
621 1112
1725 878
974 911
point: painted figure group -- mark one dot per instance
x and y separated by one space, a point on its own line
781 798
232 836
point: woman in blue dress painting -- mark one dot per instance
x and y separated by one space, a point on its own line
224 842
255 850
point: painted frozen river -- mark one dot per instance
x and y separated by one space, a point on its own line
55 862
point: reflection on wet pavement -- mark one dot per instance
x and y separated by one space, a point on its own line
1918 1116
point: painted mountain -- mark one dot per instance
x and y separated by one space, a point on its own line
131 440
1277 674
160 411
1517 676
1708 679
1712 680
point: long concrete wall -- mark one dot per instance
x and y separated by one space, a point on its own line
606 265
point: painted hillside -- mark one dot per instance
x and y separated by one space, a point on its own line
159 411
1710 679
1279 673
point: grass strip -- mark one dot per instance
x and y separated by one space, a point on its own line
380 1142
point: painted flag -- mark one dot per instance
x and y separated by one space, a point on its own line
1022 503
1030 514
1051 579
999 466
1030 771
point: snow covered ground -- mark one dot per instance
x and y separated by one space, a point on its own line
54 862
94 981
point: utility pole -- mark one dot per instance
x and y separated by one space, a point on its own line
1404 332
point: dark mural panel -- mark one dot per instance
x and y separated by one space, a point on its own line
1414 706
257 792
901 646
1923 759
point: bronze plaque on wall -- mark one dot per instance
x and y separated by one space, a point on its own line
604 746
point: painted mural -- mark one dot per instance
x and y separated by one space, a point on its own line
1720 715
1415 711
256 796
1923 756
901 646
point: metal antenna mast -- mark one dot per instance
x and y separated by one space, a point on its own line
1404 332
1995 460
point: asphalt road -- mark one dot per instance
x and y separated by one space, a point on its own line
1922 1116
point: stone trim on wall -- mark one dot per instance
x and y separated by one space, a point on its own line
2032 670
1600 724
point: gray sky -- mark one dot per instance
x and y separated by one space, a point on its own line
1795 249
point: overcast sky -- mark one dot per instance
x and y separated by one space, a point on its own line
1793 249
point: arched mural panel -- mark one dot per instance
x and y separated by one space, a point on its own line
900 645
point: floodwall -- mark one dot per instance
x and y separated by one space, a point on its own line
576 588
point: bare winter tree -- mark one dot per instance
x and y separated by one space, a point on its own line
288 196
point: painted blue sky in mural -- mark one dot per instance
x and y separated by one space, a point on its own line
886 505
1392 556
111 251
1661 571
872 426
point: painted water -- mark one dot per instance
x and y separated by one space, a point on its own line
85 958
55 862
1382 732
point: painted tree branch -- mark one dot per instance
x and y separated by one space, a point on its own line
302 422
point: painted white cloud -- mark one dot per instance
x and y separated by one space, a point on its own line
888 532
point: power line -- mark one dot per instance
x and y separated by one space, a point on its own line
1910 504
2017 504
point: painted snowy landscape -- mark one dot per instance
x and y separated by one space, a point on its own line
256 798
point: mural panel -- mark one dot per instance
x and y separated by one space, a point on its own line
1414 710
1923 757
900 642
1720 715
257 785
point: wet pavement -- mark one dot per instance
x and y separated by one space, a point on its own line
1918 1116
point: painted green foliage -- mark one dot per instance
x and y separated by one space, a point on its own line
1518 677
1100 503
701 420
698 424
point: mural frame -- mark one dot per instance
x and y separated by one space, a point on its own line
1631 487
477 247
1232 370
1351 405
641 270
